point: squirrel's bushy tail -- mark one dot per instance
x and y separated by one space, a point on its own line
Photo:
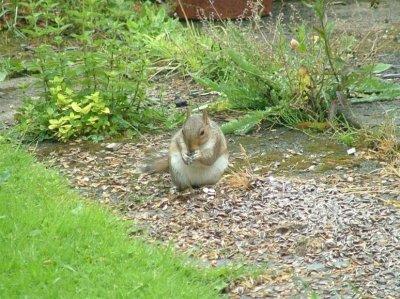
158 165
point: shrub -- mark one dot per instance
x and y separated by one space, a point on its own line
76 116
96 92
102 62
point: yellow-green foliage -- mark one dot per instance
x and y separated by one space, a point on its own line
74 115
66 114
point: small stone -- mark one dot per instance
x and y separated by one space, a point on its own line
239 290
113 146
339 264
350 179
179 102
294 44
311 168
351 151
209 191
315 266
330 243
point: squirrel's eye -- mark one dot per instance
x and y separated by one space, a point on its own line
201 132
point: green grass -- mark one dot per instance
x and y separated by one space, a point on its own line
55 245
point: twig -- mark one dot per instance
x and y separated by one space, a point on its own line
368 191
390 76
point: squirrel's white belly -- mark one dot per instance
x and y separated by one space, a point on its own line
196 174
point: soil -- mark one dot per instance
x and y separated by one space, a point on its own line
374 114
12 94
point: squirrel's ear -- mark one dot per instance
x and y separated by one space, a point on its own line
188 112
206 120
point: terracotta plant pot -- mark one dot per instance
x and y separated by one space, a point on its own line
220 9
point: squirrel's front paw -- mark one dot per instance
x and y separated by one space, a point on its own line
196 156
190 158
186 158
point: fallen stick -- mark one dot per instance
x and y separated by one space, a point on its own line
390 76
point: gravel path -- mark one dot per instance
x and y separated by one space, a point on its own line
335 232
313 236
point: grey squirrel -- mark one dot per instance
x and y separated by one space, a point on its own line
197 155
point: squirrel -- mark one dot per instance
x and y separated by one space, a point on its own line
197 155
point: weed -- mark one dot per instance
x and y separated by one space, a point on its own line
10 67
349 138
307 79
97 92
383 140
296 73
103 64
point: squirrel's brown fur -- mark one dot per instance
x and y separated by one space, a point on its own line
197 156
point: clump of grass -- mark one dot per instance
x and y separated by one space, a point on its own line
349 137
298 72
384 140
55 244
394 167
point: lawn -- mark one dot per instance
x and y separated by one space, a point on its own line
55 244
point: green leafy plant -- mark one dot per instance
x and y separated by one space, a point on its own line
113 47
76 116
246 123
308 79
369 88
97 92
11 67
67 115
51 17
348 137
103 61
